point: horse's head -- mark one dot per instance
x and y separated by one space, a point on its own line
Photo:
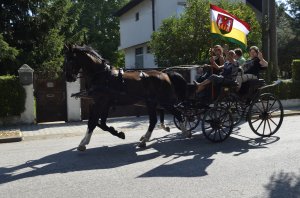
82 57
71 63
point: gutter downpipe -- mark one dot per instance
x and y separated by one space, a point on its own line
153 15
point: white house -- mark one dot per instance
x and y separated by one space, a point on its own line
138 19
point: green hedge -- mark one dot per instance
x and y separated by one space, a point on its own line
296 70
288 89
12 97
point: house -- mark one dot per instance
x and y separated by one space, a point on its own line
139 18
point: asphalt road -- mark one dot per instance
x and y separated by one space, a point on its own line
245 165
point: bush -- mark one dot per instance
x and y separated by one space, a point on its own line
12 97
288 89
296 70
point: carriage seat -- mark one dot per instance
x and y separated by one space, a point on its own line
250 86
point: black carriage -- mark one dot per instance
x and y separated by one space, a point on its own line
218 115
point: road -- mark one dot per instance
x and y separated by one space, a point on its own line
48 165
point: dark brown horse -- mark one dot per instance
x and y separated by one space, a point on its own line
108 87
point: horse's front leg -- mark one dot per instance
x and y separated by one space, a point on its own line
153 120
92 123
102 123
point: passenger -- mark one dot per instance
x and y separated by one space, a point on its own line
216 56
251 68
217 59
229 73
239 56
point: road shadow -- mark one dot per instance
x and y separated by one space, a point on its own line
196 154
284 184
199 153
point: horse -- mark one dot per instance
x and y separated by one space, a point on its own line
109 87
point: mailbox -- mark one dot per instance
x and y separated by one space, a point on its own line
26 75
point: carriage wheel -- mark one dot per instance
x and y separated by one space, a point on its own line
190 121
234 106
217 124
265 115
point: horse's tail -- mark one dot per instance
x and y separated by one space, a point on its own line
180 85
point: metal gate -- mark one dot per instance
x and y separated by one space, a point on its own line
51 102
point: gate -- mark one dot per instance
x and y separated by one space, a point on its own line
115 111
51 102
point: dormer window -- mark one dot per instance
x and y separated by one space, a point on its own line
137 16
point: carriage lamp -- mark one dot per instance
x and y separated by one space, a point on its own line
26 74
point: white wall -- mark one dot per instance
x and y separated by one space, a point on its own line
28 115
165 9
130 57
134 32
73 105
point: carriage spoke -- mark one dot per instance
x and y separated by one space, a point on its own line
269 126
274 110
272 104
224 131
255 120
264 127
263 105
220 134
258 108
215 134
259 125
273 121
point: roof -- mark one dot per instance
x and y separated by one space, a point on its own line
255 3
127 7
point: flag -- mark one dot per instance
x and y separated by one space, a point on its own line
228 26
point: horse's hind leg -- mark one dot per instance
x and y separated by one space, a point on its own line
92 123
162 120
153 120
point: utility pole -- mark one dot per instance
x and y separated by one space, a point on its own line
273 39
265 30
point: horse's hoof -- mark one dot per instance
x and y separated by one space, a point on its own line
168 129
121 135
81 148
142 144
142 138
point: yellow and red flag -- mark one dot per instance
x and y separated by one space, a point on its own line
228 26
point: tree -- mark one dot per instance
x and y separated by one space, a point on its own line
8 56
288 33
102 27
186 40
37 29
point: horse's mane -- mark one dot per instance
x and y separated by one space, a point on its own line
89 50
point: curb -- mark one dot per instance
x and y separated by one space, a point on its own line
10 136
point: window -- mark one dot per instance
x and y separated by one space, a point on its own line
180 8
148 50
137 16
139 57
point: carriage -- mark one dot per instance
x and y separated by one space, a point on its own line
219 114
108 87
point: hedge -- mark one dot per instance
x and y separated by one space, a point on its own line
288 89
296 70
12 97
